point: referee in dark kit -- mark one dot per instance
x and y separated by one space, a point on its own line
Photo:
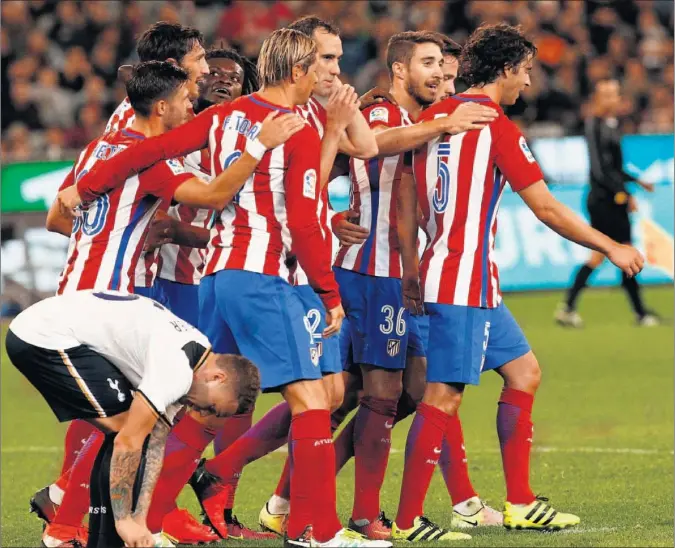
609 203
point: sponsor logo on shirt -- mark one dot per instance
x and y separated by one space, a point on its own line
526 150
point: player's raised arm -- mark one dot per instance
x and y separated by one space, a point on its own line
217 194
342 107
358 140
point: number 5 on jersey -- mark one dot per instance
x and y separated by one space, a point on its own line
442 191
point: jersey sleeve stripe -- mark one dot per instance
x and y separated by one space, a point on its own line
153 408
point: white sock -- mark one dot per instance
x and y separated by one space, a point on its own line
56 493
469 507
278 505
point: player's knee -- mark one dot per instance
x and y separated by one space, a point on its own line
446 397
414 378
389 390
523 374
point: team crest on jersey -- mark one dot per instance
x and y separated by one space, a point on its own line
526 150
309 184
315 352
175 166
379 114
393 347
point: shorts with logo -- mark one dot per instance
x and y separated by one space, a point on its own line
377 329
261 317
418 336
328 349
77 383
465 341
180 299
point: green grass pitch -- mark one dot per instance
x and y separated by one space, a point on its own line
603 435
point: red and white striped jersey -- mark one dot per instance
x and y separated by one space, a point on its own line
123 117
460 180
374 193
107 239
268 217
316 116
179 263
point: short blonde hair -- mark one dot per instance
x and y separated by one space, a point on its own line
280 52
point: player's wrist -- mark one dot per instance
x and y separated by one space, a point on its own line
255 148
331 299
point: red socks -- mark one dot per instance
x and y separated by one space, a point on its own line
76 436
75 503
422 451
266 435
372 442
184 447
453 463
313 476
234 427
514 428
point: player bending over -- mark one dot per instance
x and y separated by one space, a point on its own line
126 365
459 181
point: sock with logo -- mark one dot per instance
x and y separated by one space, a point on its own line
453 463
313 491
372 442
76 436
265 436
422 451
75 503
184 447
234 427
515 430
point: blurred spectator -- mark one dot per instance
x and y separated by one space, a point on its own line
20 148
60 58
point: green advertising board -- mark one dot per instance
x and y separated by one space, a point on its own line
31 186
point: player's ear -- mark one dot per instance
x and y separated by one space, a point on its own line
161 107
398 69
297 72
172 60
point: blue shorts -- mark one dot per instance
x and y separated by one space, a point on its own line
262 318
418 336
315 313
181 299
377 329
153 293
465 341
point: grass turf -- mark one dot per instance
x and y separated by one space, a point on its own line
603 435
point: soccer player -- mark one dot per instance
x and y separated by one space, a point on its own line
369 275
459 180
125 364
253 236
163 41
107 238
609 203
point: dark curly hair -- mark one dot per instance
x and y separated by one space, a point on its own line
491 50
250 83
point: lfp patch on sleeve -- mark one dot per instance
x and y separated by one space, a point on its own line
379 114
309 184
526 150
175 166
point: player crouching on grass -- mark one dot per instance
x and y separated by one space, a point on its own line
458 181
126 365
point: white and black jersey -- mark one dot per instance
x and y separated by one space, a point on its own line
88 350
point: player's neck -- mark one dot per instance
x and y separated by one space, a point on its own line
278 95
493 91
150 127
407 101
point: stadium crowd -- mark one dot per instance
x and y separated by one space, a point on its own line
59 77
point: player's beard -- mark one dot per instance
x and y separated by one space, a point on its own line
415 92
201 104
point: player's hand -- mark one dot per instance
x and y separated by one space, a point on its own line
342 106
627 258
334 319
632 204
649 187
376 96
134 534
469 116
278 128
412 294
346 228
69 199
161 232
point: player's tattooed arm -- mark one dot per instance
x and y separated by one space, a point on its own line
123 468
154 456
